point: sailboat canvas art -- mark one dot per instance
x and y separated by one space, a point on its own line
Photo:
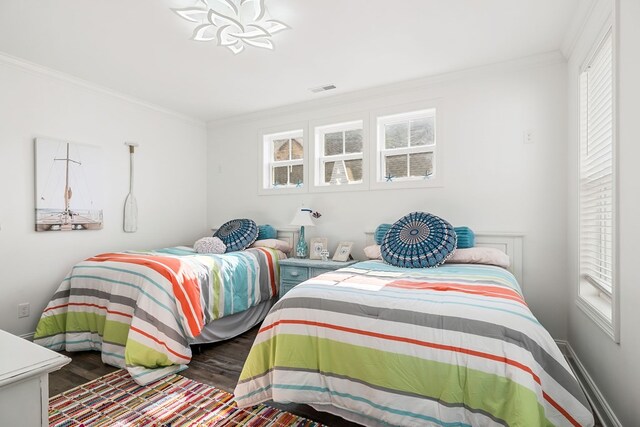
68 186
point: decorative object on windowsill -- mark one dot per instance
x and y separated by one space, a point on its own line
130 224
339 173
343 252
304 216
324 255
318 244
233 23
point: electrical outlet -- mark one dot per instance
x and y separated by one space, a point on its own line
24 310
529 136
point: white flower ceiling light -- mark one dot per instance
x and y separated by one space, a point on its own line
233 23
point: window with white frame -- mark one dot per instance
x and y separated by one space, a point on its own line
339 154
284 160
406 146
597 185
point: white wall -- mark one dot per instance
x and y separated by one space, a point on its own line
614 367
493 181
170 181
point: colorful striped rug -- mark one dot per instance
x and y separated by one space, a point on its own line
116 400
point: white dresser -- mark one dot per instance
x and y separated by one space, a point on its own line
24 381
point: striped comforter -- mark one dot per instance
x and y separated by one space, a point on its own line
380 345
141 308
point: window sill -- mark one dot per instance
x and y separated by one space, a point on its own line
395 185
600 311
282 190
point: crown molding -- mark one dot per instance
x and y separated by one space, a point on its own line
68 78
542 59
587 10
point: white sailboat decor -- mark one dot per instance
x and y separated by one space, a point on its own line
68 186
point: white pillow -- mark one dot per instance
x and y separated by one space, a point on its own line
210 245
480 255
475 255
281 245
373 252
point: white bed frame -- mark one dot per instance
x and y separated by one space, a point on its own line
509 243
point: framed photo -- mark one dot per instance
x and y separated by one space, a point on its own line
68 186
318 244
343 252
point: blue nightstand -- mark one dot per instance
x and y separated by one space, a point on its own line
294 271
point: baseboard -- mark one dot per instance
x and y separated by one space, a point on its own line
596 399
28 337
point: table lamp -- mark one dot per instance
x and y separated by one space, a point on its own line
302 218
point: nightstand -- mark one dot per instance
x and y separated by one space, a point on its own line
294 271
24 381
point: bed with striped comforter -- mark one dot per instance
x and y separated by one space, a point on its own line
380 345
141 308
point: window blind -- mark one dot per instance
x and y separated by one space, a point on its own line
597 181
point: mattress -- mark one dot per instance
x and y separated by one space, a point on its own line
455 345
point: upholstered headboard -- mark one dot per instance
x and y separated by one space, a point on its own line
509 243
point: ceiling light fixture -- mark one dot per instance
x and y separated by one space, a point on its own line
233 23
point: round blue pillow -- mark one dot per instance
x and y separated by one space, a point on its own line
237 234
418 240
380 232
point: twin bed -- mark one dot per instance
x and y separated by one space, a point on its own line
143 310
376 344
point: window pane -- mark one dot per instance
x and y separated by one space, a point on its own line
354 169
422 131
280 175
353 141
297 151
396 136
333 143
296 175
328 170
338 173
421 164
281 149
396 166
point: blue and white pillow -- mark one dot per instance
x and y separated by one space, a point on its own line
237 234
418 240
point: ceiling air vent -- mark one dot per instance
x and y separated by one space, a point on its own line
322 88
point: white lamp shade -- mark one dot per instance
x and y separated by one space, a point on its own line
303 217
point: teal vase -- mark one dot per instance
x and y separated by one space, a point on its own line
302 249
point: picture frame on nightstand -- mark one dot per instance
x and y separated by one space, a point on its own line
317 245
343 252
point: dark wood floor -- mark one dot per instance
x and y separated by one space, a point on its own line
216 364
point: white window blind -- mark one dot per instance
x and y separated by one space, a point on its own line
597 181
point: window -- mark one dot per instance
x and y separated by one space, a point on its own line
283 160
406 148
339 154
597 185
